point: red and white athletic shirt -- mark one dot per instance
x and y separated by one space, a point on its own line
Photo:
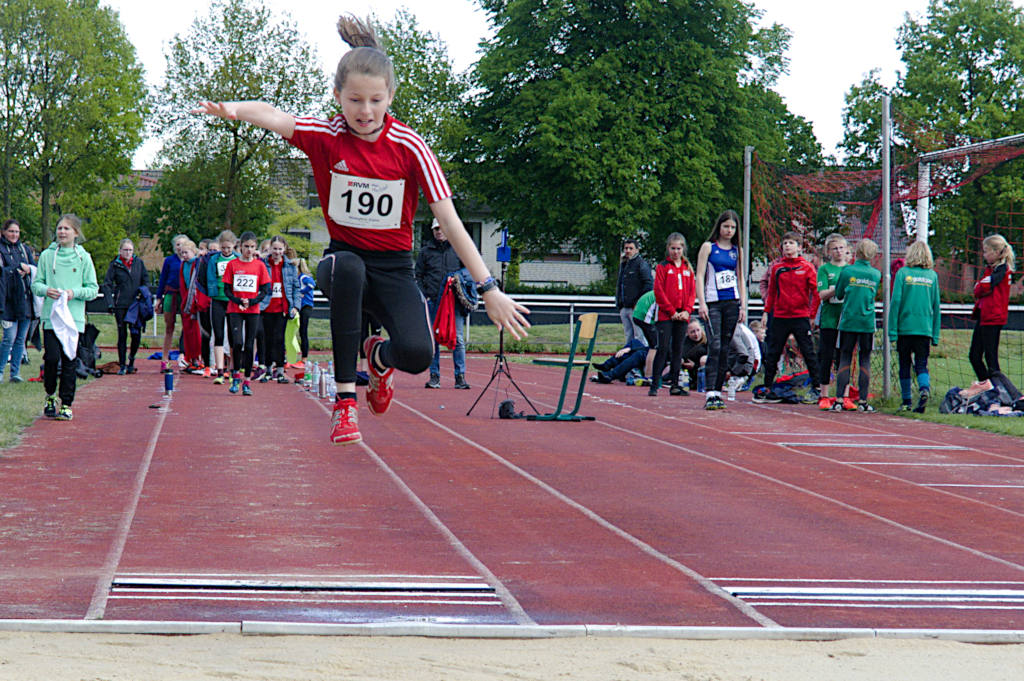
369 190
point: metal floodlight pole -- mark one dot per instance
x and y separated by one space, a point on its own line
886 250
748 153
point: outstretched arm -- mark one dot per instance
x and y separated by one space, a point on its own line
258 113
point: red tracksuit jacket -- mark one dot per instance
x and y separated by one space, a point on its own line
992 296
674 289
792 289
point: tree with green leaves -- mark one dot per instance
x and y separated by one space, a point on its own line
75 96
595 121
963 81
237 52
429 97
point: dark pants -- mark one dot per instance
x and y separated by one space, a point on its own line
779 331
913 351
56 364
827 353
243 327
864 343
650 333
382 284
984 352
123 330
722 318
670 344
304 315
273 333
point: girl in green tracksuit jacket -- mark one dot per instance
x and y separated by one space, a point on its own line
857 288
915 320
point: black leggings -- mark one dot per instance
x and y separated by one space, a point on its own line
671 334
779 331
243 327
381 283
864 343
304 315
218 314
827 355
984 352
123 329
273 335
57 365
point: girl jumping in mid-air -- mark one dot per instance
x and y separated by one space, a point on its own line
369 169
991 306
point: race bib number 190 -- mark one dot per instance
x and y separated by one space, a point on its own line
366 204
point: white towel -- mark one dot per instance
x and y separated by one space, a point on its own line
64 325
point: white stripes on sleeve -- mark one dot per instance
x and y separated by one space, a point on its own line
436 187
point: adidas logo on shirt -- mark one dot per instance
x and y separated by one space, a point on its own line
341 166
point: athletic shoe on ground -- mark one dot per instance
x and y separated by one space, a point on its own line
235 384
905 406
864 406
848 404
714 403
246 390
770 397
65 413
219 380
381 389
600 377
678 390
17 379
258 372
811 396
434 382
460 382
206 372
345 422
825 403
281 378
122 370
652 392
50 407
837 405
264 378
922 400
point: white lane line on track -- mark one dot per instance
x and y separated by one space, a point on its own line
509 601
803 580
822 497
869 445
703 581
944 484
98 603
937 465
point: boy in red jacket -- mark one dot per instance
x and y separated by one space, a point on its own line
792 301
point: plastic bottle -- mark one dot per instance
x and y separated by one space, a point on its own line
732 390
314 377
700 380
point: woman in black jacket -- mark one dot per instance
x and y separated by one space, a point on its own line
125 275
16 306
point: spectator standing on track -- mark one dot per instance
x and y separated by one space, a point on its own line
791 302
634 280
857 288
437 260
720 292
307 287
125 274
674 293
991 305
838 253
246 285
16 305
168 299
282 305
217 265
65 272
368 169
915 320
194 303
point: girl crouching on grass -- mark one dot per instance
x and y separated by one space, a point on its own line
246 284
991 306
915 320
857 287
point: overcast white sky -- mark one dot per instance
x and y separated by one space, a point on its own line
834 44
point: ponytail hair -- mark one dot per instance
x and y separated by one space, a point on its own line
999 244
366 57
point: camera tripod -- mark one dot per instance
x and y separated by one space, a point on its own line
501 364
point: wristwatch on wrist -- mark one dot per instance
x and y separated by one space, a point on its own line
486 285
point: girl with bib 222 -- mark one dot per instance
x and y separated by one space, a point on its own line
369 169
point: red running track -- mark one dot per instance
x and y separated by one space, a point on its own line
222 508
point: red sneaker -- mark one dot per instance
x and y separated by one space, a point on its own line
345 422
381 388
849 404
